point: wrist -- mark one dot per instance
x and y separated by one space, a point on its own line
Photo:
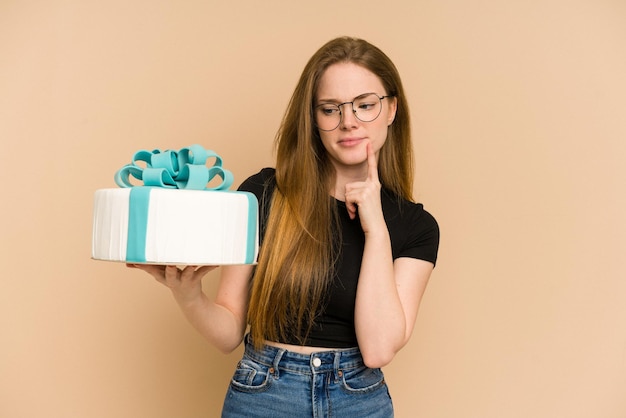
377 232
188 301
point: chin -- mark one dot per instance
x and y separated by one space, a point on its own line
352 162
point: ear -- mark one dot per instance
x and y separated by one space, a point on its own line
392 108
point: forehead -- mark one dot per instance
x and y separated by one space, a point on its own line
344 81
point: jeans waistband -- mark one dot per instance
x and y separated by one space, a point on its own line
318 362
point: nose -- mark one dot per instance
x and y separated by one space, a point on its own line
348 117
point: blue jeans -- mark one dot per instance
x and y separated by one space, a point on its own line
274 383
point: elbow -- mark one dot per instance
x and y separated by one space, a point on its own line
226 349
227 346
379 349
377 358
379 355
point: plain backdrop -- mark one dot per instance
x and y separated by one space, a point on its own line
520 136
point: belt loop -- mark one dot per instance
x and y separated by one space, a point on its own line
337 366
277 358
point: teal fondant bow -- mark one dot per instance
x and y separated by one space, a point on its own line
183 169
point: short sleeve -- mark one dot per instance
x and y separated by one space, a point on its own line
422 236
262 185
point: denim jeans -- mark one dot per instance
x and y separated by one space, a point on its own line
274 383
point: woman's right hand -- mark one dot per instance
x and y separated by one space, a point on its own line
185 284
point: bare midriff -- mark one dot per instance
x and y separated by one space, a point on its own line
300 349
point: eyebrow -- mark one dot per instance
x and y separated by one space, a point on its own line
323 101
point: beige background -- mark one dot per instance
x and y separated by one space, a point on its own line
520 137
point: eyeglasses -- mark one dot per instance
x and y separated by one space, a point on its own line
366 108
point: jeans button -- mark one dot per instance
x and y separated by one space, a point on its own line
317 362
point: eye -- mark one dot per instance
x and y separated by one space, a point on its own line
366 105
328 110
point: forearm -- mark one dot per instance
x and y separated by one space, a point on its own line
220 326
221 321
380 320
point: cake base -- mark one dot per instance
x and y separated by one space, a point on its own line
152 225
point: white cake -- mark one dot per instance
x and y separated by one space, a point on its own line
177 214
170 226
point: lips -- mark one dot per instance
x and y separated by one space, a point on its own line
349 142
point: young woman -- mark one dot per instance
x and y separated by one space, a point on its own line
345 254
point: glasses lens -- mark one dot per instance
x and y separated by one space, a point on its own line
327 116
367 108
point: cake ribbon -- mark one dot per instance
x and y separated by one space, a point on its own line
183 169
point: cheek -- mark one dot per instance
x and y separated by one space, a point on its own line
379 132
326 139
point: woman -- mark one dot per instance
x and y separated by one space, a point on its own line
345 255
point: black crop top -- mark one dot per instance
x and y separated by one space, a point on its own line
414 233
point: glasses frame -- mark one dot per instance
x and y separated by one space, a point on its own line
339 105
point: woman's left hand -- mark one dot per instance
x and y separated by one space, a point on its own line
364 196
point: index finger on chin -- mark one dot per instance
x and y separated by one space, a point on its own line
372 164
